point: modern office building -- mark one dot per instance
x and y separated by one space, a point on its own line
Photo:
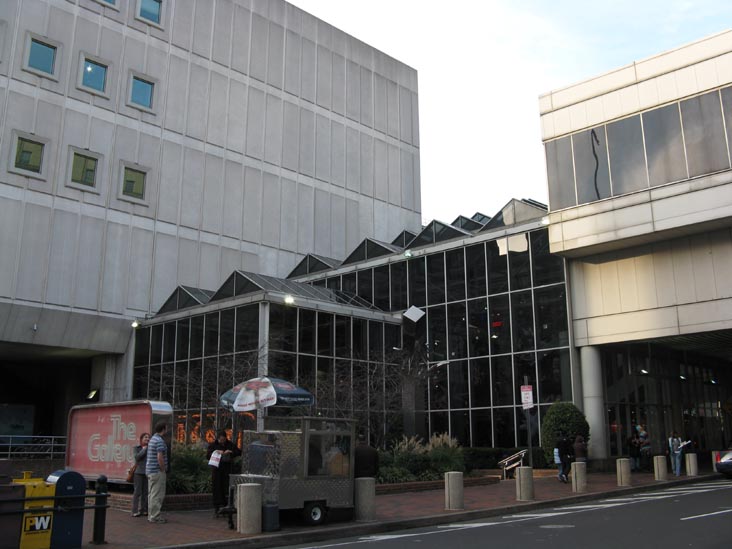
147 144
494 310
640 197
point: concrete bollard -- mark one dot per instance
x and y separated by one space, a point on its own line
715 453
623 471
454 491
524 484
365 499
249 508
660 468
579 477
692 468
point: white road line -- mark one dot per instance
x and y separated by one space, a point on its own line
596 506
535 515
708 514
470 525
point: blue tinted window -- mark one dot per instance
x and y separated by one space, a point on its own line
142 92
42 56
95 75
150 10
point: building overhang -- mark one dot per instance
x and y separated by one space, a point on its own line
653 215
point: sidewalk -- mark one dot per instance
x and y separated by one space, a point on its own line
394 511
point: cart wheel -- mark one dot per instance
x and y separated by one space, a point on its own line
314 513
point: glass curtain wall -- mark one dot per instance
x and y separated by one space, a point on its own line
685 139
191 362
495 312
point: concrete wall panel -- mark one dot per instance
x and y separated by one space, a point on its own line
217 115
255 123
223 20
165 273
62 262
170 182
289 214
203 29
381 170
210 274
353 159
322 148
307 71
175 104
183 23
273 131
258 60
240 39
192 189
213 194
116 259
305 219
252 205
188 261
322 223
325 70
140 270
367 165
339 84
721 249
292 62
197 98
338 154
236 114
307 142
234 198
275 55
352 225
290 136
89 265
338 222
11 213
34 253
380 103
270 210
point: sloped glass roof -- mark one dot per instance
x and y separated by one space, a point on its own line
369 249
404 238
435 232
242 283
185 296
462 222
516 211
312 263
481 218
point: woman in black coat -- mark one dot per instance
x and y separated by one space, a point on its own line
139 496
220 474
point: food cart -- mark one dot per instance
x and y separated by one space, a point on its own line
307 464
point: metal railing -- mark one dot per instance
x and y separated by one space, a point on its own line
32 447
511 462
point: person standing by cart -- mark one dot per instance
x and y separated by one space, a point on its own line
139 496
221 454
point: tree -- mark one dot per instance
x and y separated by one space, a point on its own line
562 418
410 367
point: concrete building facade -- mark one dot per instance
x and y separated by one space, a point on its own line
148 144
640 186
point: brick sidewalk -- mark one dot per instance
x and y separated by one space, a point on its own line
200 527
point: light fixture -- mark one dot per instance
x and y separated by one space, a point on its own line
713 381
682 377
644 371
88 68
289 300
545 220
407 253
92 394
135 324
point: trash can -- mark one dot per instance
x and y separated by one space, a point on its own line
68 522
37 521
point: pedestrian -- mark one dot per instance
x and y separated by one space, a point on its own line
675 451
139 495
580 448
634 451
220 473
645 448
366 459
156 467
563 454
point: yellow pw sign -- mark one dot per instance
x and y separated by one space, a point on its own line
37 523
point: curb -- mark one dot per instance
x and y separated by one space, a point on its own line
352 529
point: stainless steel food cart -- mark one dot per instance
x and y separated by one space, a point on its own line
307 465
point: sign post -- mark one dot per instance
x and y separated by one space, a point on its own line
527 400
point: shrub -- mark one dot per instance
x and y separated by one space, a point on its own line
412 459
562 418
393 475
189 470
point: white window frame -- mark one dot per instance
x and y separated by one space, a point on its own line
83 56
70 170
163 10
154 81
30 37
15 135
125 197
106 4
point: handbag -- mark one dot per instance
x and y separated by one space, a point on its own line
215 458
131 473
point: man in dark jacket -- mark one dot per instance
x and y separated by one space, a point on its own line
565 455
366 458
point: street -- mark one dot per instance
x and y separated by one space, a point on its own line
696 515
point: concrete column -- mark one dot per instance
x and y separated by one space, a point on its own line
249 508
524 483
692 469
660 468
579 477
454 491
623 470
365 499
594 402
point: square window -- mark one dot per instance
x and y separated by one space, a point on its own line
151 10
42 56
142 92
29 155
84 170
94 75
134 183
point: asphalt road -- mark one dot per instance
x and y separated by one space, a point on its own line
694 515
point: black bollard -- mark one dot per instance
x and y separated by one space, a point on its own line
100 511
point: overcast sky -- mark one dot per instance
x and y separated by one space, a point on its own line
482 65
